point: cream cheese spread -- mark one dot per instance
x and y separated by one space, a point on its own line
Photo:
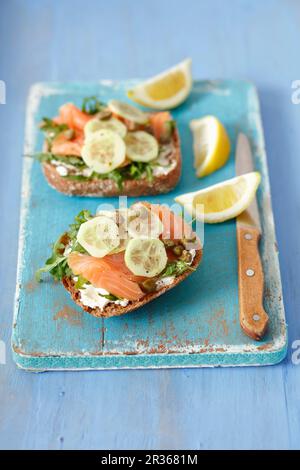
93 297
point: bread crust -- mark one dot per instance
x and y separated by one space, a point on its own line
107 187
112 310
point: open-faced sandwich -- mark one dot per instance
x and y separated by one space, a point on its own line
119 260
110 150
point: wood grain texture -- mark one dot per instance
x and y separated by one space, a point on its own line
203 409
253 317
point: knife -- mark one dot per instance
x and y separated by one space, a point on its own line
253 318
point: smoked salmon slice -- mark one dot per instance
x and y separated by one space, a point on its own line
109 273
62 145
72 116
76 119
68 147
158 123
117 261
175 227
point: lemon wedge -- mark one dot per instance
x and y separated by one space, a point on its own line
166 90
222 201
211 145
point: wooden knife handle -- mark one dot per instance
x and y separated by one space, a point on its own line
253 318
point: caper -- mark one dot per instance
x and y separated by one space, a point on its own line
186 256
149 285
177 250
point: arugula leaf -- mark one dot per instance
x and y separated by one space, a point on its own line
175 268
135 170
80 282
57 264
149 173
110 297
42 156
71 160
67 159
52 129
48 125
53 266
80 218
118 177
91 105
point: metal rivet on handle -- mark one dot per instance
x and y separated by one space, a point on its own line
250 272
256 317
248 236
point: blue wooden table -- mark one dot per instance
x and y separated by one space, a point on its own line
85 40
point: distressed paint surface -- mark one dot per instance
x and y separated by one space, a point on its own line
221 408
196 324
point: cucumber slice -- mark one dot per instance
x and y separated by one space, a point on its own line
122 247
146 258
104 151
141 146
99 236
112 124
126 111
122 217
145 224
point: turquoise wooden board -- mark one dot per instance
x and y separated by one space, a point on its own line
194 325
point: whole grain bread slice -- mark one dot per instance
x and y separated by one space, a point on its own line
112 310
108 187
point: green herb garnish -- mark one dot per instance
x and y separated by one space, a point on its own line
80 218
57 264
91 105
117 176
52 129
149 172
176 268
135 170
81 281
44 157
110 297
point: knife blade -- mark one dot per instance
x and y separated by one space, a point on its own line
253 317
